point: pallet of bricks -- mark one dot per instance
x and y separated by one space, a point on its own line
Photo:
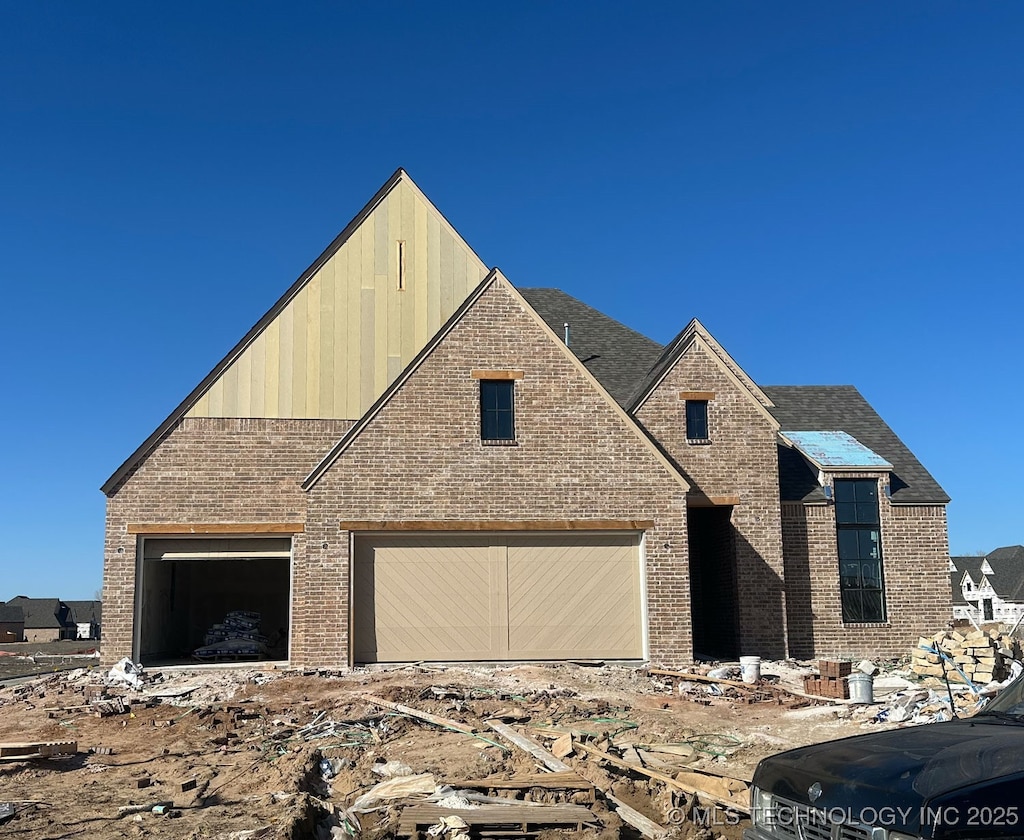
830 681
982 657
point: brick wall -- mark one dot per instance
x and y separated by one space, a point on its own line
915 557
13 629
742 460
208 471
421 458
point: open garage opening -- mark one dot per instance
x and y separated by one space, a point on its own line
214 600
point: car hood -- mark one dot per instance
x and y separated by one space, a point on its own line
900 768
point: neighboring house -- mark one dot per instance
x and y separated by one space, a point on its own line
46 619
85 615
12 624
408 458
989 588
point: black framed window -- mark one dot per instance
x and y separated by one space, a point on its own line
696 419
497 410
987 612
859 536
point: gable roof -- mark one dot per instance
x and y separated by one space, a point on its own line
617 356
83 611
842 408
40 613
696 333
11 614
399 176
495 277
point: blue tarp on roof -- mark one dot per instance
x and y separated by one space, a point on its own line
836 450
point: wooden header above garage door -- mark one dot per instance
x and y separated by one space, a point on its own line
174 529
499 525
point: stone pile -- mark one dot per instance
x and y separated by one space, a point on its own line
982 657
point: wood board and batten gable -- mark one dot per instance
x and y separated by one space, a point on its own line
364 312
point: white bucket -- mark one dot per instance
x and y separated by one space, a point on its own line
750 669
862 687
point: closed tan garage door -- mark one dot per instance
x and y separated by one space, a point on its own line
447 597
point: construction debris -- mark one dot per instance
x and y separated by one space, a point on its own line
22 751
270 754
975 658
831 680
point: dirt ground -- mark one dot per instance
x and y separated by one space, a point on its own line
20 659
239 753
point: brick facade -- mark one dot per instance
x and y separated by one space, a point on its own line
741 460
208 471
915 558
421 458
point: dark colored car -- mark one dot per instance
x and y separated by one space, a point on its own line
943 781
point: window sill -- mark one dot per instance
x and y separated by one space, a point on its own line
500 442
866 624
698 441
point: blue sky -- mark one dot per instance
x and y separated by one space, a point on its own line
835 190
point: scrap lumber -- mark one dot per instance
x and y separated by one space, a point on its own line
527 744
758 687
36 749
684 786
547 781
647 827
515 816
437 720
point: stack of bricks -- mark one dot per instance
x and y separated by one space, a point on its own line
830 681
982 657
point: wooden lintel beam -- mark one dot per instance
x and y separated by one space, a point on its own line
497 374
697 395
711 501
175 529
498 525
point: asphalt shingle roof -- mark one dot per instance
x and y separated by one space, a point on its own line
619 358
11 614
39 612
842 408
623 361
83 611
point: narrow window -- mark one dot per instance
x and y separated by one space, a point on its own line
697 420
986 606
401 265
497 410
860 550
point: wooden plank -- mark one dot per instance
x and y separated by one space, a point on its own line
682 675
272 365
549 781
647 827
661 777
756 687
285 389
498 525
172 529
697 395
24 750
530 746
512 814
701 500
327 354
437 720
312 293
496 374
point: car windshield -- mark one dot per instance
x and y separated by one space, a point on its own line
1009 701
